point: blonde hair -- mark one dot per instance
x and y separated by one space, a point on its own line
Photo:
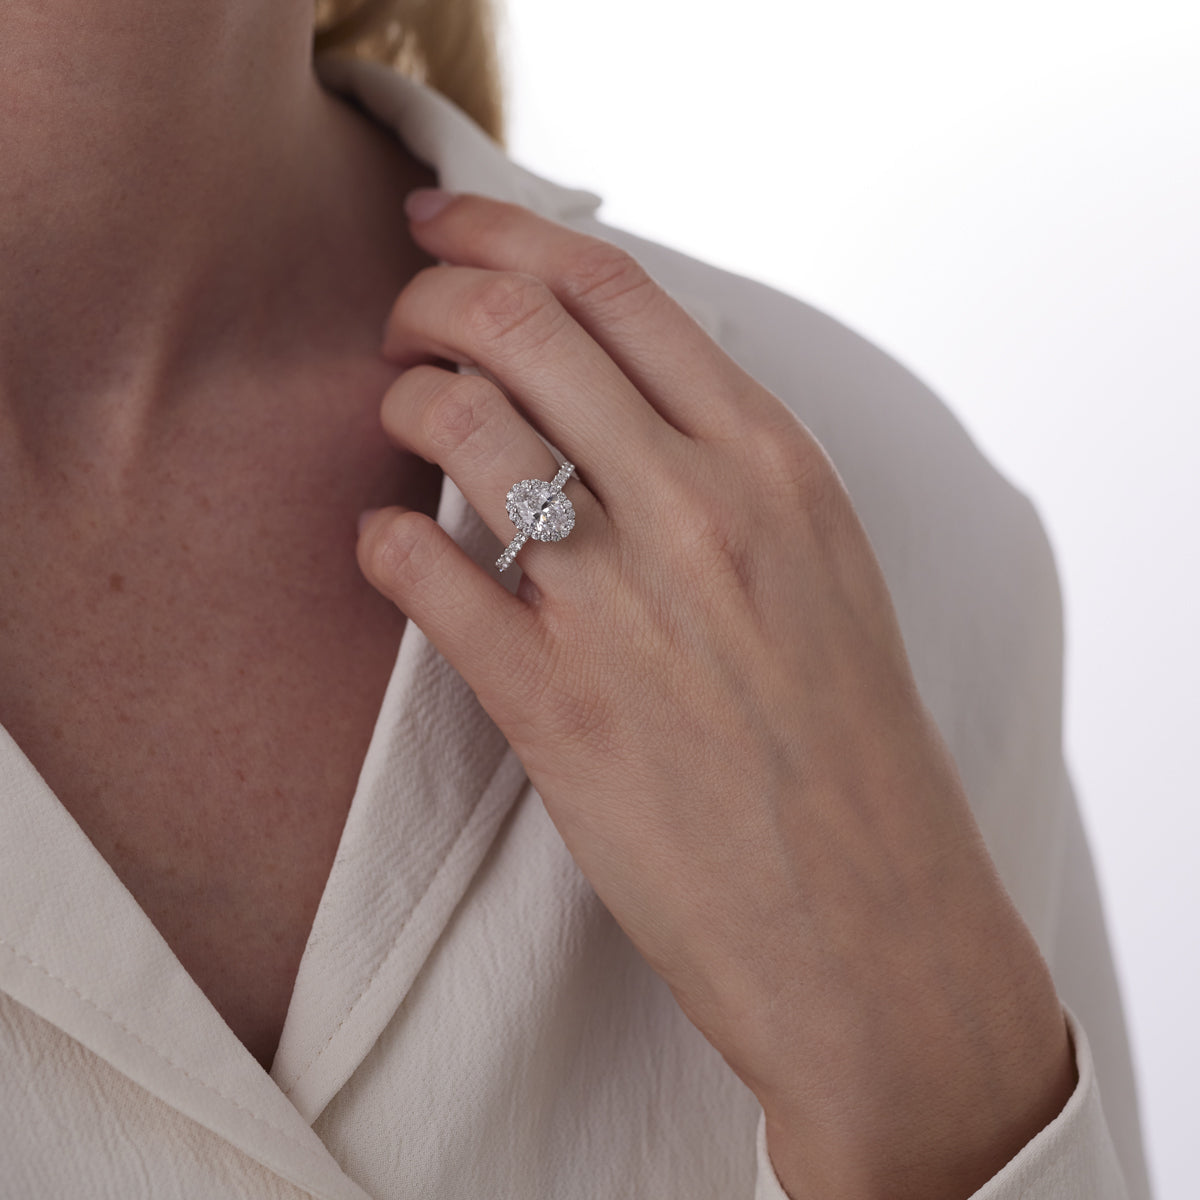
451 45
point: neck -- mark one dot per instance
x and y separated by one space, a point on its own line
173 190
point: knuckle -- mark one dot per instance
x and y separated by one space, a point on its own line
512 308
404 554
406 392
793 464
420 378
695 520
460 407
582 715
703 533
711 540
408 302
604 274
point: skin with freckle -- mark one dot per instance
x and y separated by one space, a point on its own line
192 455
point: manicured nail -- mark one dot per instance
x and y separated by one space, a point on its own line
422 204
364 517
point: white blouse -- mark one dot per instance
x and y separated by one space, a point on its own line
468 1019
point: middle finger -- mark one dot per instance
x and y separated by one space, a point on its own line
512 326
467 426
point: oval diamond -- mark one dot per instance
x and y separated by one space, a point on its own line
545 515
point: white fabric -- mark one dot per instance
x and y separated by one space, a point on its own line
468 1020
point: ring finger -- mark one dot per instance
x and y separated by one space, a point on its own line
468 426
513 327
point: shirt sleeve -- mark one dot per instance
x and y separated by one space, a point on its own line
1072 1158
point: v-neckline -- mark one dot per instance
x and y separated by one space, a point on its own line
76 947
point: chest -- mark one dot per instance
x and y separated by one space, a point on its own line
201 699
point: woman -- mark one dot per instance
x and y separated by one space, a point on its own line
714 851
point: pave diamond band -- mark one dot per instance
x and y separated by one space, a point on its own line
540 511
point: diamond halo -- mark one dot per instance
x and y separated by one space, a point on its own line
540 511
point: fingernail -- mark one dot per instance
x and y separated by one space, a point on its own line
422 204
364 517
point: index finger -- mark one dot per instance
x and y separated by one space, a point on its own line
658 345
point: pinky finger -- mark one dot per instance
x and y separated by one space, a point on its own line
487 634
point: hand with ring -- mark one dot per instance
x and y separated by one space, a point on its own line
707 685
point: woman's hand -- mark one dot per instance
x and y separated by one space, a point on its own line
708 687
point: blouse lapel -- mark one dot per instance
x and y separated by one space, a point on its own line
76 948
436 783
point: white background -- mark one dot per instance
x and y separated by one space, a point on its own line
1005 198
